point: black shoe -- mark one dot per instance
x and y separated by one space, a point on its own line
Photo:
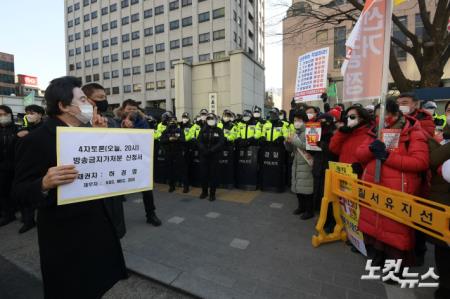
185 189
298 211
171 189
204 195
26 227
7 220
307 215
153 220
212 197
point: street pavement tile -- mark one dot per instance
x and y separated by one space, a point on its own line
351 294
373 287
333 292
240 244
276 205
212 215
176 220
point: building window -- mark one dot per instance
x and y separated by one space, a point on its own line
96 77
186 2
219 55
174 44
87 63
71 38
150 85
126 72
114 41
136 70
115 74
127 88
204 57
71 52
339 45
104 11
219 13
106 75
187 21
174 5
87 33
172 83
78 50
188 60
115 90
105 59
71 67
420 30
77 36
113 24
148 31
160 47
105 27
161 84
70 24
137 87
94 30
114 57
85 2
251 35
134 2
321 36
187 41
234 15
174 24
161 66
86 17
136 52
78 65
149 68
159 10
124 3
95 46
77 21
88 78
95 61
107 91
125 38
135 35
219 34
135 17
148 13
125 20
126 54
87 48
172 63
148 50
70 9
105 43
76 6
113 7
203 17
204 37
159 28
94 15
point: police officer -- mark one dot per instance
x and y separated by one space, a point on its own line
210 143
274 131
227 160
226 124
440 120
172 140
161 127
248 130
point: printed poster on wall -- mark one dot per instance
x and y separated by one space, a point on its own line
109 162
312 75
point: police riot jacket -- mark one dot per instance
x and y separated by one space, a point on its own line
172 138
210 140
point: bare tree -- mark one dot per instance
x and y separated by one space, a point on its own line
430 54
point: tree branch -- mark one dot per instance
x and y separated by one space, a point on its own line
425 18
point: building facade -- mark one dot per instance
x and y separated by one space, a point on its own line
298 42
131 46
26 84
7 76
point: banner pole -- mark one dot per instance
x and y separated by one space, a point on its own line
385 78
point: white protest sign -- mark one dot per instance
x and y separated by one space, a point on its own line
312 75
109 162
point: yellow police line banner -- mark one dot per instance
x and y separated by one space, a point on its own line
421 214
110 162
350 209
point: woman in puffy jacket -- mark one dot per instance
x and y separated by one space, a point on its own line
403 163
349 137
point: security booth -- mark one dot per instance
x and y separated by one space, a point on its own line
247 167
226 167
272 168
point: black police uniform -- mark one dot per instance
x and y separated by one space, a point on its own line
172 141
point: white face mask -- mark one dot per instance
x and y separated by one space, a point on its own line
33 118
231 119
185 120
281 116
446 171
198 119
211 122
87 112
298 124
203 117
310 116
246 118
256 114
431 111
405 109
5 119
226 119
352 122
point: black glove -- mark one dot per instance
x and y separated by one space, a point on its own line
378 149
345 129
279 140
446 135
357 168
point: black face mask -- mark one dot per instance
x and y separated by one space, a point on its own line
102 106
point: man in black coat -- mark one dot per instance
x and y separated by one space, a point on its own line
210 143
80 253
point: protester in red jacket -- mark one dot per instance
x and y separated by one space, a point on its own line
401 170
409 105
350 136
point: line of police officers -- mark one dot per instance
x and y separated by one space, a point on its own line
245 151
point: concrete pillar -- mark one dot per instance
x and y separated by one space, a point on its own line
183 89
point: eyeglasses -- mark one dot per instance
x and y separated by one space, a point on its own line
352 116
